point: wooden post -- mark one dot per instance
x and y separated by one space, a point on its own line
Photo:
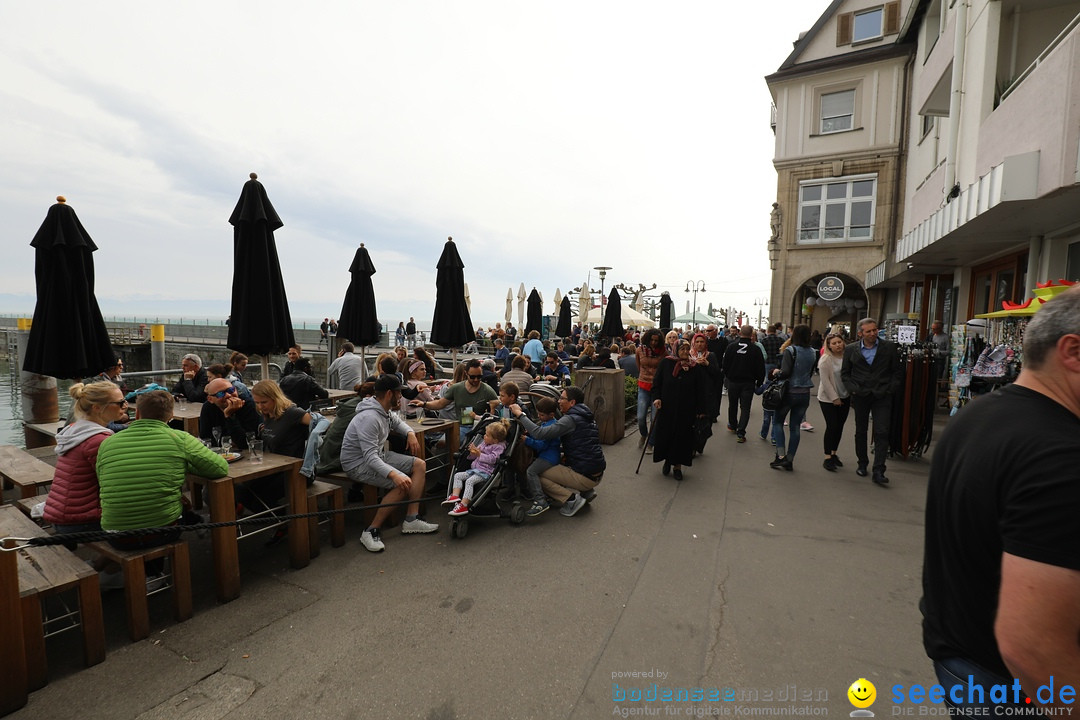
40 403
13 689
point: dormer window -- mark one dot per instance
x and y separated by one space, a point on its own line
867 25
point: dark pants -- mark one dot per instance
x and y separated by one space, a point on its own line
976 693
149 540
740 395
881 408
835 417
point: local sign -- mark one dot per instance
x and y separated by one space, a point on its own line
830 288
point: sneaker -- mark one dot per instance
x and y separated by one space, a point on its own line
452 500
806 427
641 441
829 464
110 581
764 436
836 461
731 428
416 525
648 450
459 509
740 438
572 505
371 541
537 508
156 582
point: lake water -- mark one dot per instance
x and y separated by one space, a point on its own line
11 431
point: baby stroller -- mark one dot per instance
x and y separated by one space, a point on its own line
486 502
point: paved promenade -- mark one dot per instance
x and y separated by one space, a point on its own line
771 587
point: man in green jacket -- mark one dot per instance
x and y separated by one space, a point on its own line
141 474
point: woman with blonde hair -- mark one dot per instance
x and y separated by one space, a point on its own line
284 430
833 397
73 504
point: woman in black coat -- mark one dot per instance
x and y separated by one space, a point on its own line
679 392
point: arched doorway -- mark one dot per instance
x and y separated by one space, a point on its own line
822 313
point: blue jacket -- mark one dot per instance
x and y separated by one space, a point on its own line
545 449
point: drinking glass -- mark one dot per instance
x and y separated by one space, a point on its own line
226 444
216 432
257 451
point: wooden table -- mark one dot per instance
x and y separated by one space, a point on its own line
25 471
41 571
223 509
450 427
336 395
189 415
46 431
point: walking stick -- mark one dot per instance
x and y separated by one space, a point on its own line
648 440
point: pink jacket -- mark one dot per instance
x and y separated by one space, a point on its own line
489 455
73 498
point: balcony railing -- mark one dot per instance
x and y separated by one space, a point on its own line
1042 56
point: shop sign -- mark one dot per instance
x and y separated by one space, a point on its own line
830 288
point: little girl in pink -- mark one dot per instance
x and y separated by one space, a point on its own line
484 457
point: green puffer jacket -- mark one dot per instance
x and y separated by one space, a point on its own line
141 474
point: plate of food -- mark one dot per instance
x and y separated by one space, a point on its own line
231 456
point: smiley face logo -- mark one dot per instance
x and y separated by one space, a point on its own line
862 693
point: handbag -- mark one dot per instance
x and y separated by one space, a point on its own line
775 396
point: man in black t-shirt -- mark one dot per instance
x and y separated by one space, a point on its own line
1001 572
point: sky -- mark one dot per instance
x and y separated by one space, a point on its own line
546 138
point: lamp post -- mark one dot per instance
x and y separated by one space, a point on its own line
761 304
602 269
695 287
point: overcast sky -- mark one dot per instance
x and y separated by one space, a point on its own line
546 138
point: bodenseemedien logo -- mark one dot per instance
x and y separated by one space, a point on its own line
862 695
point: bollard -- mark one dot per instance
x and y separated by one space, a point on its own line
40 403
157 352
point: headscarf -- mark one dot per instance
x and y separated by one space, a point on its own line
678 362
694 340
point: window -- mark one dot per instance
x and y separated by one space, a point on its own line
927 125
867 25
836 211
837 111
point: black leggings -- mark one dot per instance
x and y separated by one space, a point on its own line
835 417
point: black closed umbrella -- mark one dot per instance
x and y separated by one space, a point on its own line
563 327
451 325
359 321
68 338
613 327
260 322
534 314
666 311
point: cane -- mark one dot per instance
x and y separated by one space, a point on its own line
648 441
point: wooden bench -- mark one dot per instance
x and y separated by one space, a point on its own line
335 495
133 564
371 493
41 572
28 473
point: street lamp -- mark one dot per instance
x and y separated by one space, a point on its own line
695 287
760 304
602 269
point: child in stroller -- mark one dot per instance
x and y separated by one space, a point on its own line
484 457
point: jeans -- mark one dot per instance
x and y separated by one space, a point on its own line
767 416
835 417
740 396
976 694
532 477
797 404
646 413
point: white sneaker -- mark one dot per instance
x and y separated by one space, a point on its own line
418 526
371 541
111 581
806 427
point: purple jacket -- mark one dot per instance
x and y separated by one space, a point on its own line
489 454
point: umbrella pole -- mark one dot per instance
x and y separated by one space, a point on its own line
363 365
265 367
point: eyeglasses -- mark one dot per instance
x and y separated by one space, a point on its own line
222 393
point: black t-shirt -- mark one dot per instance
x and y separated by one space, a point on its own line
287 435
238 426
1005 477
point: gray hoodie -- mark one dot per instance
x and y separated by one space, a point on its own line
364 444
74 434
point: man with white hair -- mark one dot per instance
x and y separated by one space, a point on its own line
192 384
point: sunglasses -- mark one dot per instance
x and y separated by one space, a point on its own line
474 377
222 393
118 403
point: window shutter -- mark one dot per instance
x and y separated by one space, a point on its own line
892 18
844 24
